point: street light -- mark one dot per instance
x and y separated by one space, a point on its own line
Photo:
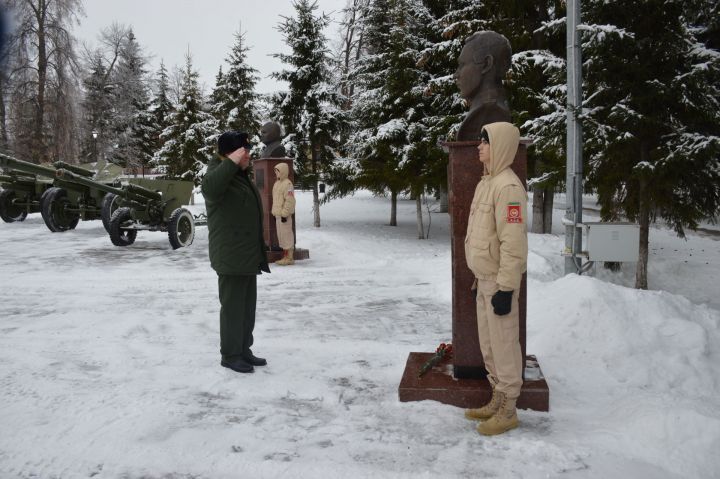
95 151
99 166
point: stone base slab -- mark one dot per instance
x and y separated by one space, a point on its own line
438 384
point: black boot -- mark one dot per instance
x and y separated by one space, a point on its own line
237 364
254 360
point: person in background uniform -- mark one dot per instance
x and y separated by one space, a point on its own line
237 248
283 207
496 252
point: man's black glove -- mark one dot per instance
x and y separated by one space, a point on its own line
283 219
474 293
502 302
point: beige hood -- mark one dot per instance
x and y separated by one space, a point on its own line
282 169
504 139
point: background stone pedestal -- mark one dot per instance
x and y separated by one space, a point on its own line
468 372
264 174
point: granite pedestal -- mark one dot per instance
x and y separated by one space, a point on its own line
467 369
264 174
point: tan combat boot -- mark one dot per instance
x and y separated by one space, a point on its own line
282 260
287 258
503 420
486 411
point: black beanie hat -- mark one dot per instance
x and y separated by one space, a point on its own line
231 141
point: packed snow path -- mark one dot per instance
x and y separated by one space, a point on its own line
109 361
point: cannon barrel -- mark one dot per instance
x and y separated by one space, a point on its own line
144 192
130 192
11 163
73 169
71 177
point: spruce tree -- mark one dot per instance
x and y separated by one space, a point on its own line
310 109
158 115
130 99
653 132
142 137
96 106
535 49
392 144
451 22
234 101
218 98
188 142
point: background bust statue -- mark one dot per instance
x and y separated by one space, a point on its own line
270 135
482 65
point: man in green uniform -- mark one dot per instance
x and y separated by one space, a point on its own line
237 248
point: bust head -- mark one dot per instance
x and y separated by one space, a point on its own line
270 132
482 65
270 135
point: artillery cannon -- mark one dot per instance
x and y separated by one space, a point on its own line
62 203
20 195
143 204
139 204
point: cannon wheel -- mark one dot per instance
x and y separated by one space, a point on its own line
118 235
54 211
181 228
43 197
8 211
108 206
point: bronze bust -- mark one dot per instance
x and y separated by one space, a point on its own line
271 136
482 65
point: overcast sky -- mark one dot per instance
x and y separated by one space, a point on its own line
167 28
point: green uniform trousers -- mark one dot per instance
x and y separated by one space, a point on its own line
238 297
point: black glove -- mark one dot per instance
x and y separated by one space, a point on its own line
283 220
474 293
502 302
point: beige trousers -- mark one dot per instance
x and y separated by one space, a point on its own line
286 238
500 340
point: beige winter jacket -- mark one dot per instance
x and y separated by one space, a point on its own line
283 194
496 240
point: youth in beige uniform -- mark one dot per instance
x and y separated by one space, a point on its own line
496 252
283 207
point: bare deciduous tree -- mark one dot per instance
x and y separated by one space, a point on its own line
43 69
351 45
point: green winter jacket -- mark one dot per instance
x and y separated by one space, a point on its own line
235 219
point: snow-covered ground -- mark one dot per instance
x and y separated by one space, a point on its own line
109 361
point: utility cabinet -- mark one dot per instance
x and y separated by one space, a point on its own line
617 242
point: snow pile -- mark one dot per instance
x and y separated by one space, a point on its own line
639 367
109 362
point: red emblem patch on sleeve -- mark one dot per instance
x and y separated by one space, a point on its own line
514 213
291 193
